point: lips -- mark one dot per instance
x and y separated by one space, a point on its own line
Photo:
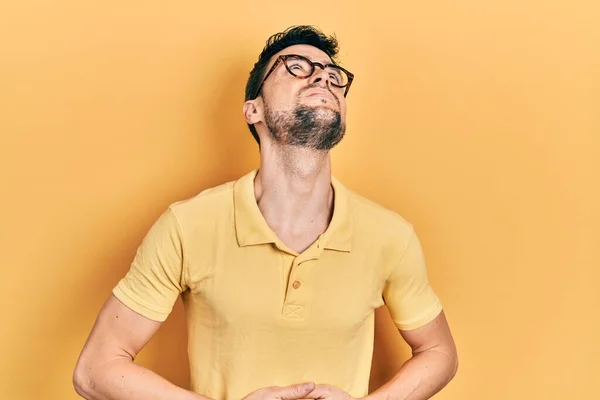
319 93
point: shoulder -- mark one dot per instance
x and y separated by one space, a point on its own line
208 205
378 226
373 214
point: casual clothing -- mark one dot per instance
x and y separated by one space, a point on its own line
260 314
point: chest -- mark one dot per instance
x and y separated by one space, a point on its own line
262 286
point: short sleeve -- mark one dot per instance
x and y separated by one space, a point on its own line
156 276
407 294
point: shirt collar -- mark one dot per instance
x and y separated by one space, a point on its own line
252 229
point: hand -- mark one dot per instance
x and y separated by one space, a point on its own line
327 392
292 392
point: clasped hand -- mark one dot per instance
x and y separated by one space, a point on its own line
300 391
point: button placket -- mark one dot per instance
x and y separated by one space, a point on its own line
294 281
296 299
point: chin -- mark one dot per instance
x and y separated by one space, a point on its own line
320 102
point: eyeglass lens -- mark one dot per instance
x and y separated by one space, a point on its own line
302 68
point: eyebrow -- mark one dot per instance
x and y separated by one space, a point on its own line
329 62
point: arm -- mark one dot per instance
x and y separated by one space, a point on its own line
433 364
417 313
105 369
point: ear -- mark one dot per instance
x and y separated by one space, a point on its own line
253 111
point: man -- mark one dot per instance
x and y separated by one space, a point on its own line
281 271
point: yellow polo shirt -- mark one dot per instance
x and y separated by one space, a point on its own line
258 313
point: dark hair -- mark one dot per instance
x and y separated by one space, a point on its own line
301 34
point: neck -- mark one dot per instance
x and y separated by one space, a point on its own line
293 189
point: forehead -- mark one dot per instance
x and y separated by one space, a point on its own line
308 51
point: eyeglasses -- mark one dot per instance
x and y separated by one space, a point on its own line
301 67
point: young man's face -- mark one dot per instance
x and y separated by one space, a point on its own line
306 112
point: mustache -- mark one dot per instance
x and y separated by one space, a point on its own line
314 85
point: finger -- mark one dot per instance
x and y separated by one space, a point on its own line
293 392
319 392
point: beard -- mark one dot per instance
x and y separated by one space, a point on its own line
316 128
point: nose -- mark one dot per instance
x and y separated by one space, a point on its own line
319 76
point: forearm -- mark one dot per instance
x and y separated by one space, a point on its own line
122 379
420 378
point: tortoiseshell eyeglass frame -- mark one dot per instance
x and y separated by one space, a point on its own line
284 57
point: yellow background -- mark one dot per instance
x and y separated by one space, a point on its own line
478 121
